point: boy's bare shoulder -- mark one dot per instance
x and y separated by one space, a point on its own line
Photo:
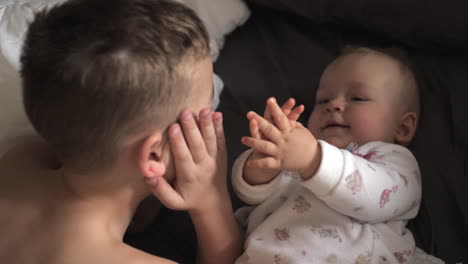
136 256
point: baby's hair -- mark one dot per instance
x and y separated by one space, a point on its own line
96 73
401 56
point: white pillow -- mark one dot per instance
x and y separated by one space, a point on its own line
219 16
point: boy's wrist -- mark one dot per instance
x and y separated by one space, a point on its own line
212 203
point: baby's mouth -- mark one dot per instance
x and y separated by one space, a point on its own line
334 125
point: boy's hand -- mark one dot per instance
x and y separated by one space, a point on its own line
255 176
200 163
288 145
200 186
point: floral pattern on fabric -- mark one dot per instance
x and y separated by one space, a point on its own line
301 205
403 255
385 197
326 232
354 182
281 234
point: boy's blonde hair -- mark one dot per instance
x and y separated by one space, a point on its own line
96 72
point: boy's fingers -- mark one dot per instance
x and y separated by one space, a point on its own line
165 193
295 113
193 135
262 146
179 147
208 130
264 163
219 130
267 129
278 116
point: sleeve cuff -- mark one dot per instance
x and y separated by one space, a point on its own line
329 173
248 193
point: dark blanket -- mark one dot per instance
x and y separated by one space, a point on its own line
282 51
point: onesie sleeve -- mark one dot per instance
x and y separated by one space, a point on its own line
374 182
250 194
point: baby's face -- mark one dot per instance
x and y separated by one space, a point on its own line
357 100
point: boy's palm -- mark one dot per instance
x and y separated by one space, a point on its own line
199 156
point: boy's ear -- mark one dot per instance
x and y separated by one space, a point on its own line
150 162
405 132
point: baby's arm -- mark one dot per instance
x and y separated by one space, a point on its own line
379 182
200 186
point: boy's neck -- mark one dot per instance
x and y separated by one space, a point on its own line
110 197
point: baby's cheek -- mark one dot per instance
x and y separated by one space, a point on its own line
368 130
313 124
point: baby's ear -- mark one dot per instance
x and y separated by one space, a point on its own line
150 162
407 128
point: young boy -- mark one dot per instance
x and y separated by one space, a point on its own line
342 190
104 83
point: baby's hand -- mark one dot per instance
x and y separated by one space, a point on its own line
288 109
286 145
255 176
200 163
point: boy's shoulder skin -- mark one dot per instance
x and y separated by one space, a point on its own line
32 211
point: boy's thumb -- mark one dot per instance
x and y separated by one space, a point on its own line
160 188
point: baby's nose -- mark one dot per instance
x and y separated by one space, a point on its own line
335 105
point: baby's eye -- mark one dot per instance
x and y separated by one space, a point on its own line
359 99
322 101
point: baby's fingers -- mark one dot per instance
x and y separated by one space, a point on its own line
262 146
288 106
295 113
264 163
266 128
254 130
279 118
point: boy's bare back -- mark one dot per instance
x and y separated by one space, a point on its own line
42 222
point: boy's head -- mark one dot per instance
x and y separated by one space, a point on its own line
98 74
366 95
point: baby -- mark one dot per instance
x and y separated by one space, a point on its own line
342 190
120 93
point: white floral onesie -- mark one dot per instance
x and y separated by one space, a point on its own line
353 210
